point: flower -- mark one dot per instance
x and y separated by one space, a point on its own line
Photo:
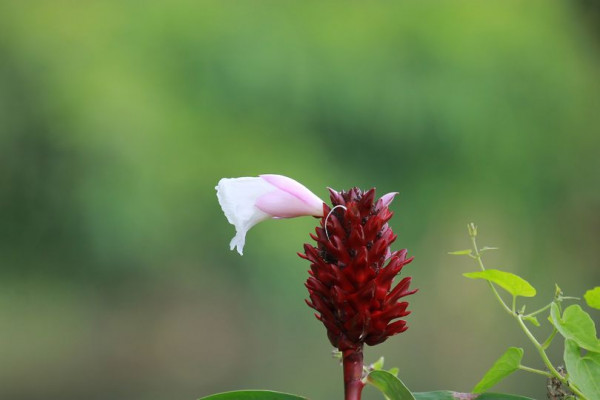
352 270
248 201
351 277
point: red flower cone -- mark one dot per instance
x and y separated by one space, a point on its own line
351 277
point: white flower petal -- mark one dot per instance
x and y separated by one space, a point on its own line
240 231
237 197
281 204
248 201
306 203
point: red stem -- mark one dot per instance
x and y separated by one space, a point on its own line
353 369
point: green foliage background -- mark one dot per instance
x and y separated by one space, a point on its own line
117 119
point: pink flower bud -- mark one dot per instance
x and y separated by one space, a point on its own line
248 201
386 199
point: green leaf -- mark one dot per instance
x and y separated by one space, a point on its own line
508 363
486 248
394 371
377 365
448 395
444 395
592 297
533 320
512 283
391 387
461 252
557 291
577 325
594 356
584 371
253 395
501 396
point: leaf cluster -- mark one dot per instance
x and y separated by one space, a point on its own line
581 345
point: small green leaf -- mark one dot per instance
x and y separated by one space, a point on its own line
472 229
512 283
533 320
577 325
592 297
394 371
448 395
461 252
486 248
501 396
583 371
557 291
377 365
507 364
444 395
391 387
253 395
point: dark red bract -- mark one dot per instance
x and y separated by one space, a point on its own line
352 271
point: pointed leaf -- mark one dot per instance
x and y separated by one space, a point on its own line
444 395
389 385
507 364
533 320
557 291
394 371
448 395
486 248
377 365
577 325
501 396
584 372
253 395
512 283
461 252
592 297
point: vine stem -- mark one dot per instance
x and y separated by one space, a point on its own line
546 344
352 360
480 262
536 371
540 348
546 360
547 306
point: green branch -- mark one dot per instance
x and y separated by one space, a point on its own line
477 256
541 348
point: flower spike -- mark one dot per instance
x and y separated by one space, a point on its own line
351 278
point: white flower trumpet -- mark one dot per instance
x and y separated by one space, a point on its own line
248 201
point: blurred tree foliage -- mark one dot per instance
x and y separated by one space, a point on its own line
113 113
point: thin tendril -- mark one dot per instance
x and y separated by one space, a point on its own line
327 217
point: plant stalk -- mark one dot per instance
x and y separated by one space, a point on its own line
547 361
536 371
541 348
353 368
482 267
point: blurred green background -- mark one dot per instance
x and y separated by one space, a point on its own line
117 119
